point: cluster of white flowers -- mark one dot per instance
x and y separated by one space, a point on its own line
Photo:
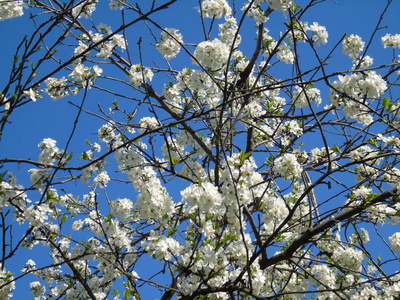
281 5
228 32
391 40
356 86
56 88
352 46
7 284
287 166
37 289
205 197
84 9
395 241
215 8
148 123
162 248
254 11
365 154
101 179
275 212
85 75
363 62
285 53
139 75
303 96
50 154
106 133
11 9
153 202
117 4
320 35
319 154
105 49
11 192
212 55
287 131
170 44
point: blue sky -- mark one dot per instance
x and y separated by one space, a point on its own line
46 118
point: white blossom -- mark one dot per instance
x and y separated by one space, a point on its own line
170 44
352 46
11 9
320 35
281 5
391 40
56 88
287 166
215 8
139 75
212 54
395 241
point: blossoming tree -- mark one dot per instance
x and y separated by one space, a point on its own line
241 170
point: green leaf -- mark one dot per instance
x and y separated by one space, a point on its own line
175 161
69 156
64 218
385 102
172 232
296 6
243 156
335 149
373 143
2 175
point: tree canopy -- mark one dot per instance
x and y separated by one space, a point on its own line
207 149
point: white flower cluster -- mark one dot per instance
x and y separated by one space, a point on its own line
365 154
319 154
84 75
287 130
320 35
162 248
106 133
117 4
11 192
7 284
281 5
254 11
50 154
205 197
105 49
287 166
212 55
84 9
148 123
355 87
352 46
391 40
363 62
285 53
302 96
215 8
11 9
395 241
153 201
101 179
139 75
56 88
170 44
228 31
367 158
37 289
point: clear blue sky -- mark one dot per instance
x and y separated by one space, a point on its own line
47 118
